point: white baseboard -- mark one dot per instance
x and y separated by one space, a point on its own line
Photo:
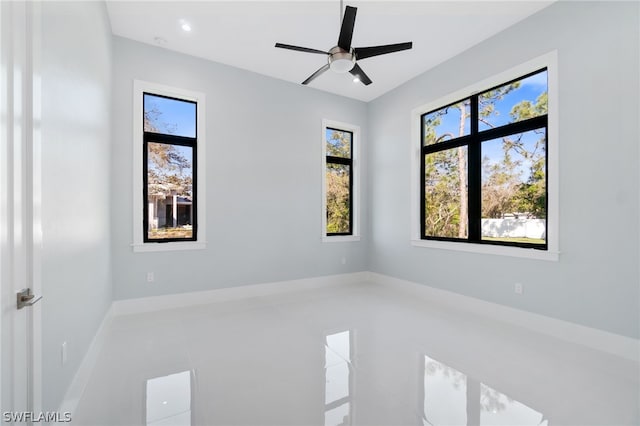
603 341
83 374
173 301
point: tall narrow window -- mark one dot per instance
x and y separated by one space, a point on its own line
169 169
168 179
340 194
339 181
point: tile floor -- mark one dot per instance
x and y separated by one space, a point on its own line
352 355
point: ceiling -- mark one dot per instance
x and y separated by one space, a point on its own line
243 33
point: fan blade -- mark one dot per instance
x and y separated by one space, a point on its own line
357 71
367 52
315 74
346 31
300 49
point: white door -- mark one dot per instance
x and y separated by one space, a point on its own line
20 235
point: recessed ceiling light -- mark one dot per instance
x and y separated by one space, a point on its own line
356 80
185 25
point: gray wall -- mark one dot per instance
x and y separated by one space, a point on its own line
76 265
596 281
263 160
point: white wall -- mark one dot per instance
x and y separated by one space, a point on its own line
263 166
596 281
76 266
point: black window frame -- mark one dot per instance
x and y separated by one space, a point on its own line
330 159
169 139
473 141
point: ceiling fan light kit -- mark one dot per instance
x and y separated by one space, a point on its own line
343 58
341 61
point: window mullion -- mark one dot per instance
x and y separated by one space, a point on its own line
474 176
169 139
339 160
448 144
513 128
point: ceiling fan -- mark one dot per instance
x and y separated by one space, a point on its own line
343 57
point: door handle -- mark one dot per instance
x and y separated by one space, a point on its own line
26 298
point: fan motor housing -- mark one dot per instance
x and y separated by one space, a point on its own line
340 60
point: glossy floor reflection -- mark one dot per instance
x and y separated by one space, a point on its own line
353 355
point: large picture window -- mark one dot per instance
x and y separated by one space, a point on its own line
168 140
484 166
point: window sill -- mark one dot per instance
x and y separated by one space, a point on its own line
526 253
172 246
340 238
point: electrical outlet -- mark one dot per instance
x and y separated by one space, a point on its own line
150 277
344 260
63 353
518 288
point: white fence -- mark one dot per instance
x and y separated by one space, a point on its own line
514 228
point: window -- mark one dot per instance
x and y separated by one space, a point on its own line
484 167
169 169
168 140
340 182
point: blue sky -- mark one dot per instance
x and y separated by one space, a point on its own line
530 88
336 143
176 117
492 150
